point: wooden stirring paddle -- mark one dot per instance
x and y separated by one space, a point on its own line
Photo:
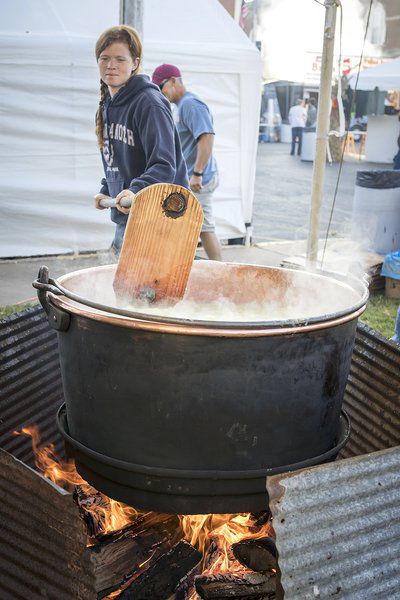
159 244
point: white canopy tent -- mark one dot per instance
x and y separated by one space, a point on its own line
384 77
51 166
383 130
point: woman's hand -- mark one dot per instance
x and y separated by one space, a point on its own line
98 198
127 195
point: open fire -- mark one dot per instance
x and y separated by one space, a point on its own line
230 547
112 515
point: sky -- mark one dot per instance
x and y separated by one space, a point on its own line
292 35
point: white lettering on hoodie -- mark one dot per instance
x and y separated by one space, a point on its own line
121 133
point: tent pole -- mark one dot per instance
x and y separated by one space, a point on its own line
131 13
325 88
237 9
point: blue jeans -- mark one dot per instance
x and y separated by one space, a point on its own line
297 132
118 238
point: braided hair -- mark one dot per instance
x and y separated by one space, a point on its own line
126 35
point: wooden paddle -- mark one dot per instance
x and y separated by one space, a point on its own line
159 244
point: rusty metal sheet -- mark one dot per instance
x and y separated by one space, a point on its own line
338 525
43 550
30 381
338 528
372 397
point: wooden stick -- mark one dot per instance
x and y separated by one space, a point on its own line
324 101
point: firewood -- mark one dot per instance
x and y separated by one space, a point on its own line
87 504
258 555
140 524
118 555
261 518
186 585
160 579
227 586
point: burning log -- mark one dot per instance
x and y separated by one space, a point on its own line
261 518
159 580
259 555
225 586
89 505
186 585
118 555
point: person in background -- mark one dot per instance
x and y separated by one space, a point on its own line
311 113
396 337
196 132
396 158
136 133
297 119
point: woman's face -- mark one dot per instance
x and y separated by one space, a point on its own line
116 66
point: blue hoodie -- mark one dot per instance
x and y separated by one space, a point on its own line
141 145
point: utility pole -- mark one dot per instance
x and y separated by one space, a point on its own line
324 101
131 13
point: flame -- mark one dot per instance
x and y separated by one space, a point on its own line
111 514
212 534
222 530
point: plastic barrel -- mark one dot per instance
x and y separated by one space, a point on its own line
286 133
308 144
376 211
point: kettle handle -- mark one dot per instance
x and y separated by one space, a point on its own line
58 319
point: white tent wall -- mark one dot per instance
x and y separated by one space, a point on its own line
385 77
50 164
51 167
220 64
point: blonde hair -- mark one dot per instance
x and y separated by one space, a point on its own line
120 33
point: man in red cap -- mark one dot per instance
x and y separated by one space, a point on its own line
196 132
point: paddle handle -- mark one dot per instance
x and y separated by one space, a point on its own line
110 202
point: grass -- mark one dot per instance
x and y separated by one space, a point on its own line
381 314
5 311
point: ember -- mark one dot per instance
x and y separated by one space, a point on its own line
142 554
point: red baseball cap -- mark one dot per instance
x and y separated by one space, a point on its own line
164 72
